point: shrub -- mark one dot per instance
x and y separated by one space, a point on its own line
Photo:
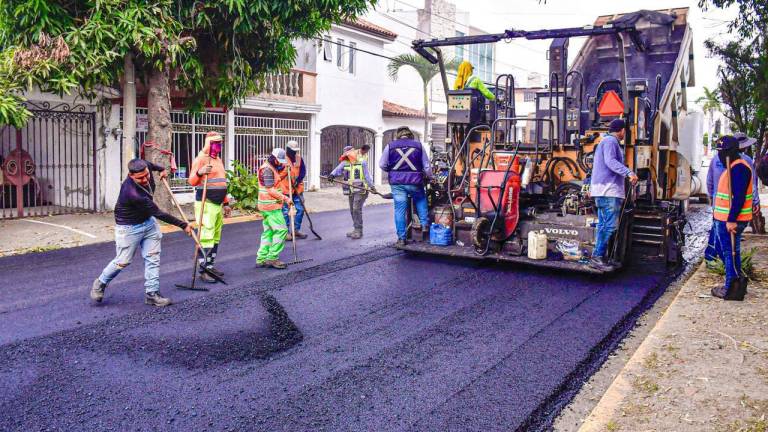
243 186
747 266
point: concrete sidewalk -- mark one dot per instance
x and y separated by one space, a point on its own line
703 367
40 234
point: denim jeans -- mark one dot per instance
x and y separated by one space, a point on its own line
356 203
732 264
713 249
400 194
608 209
299 213
146 235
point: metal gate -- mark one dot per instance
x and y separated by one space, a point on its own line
333 139
255 137
48 167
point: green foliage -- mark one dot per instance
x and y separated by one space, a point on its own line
243 186
216 51
705 140
747 265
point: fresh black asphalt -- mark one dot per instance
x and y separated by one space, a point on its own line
361 338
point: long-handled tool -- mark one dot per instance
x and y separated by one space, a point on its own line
292 219
385 195
198 246
309 218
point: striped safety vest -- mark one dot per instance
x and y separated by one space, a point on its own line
295 170
723 197
353 174
266 201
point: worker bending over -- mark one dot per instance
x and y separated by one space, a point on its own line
607 188
136 227
357 182
408 166
465 80
716 169
270 205
298 170
208 164
732 213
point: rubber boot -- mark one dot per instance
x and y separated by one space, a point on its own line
212 261
203 265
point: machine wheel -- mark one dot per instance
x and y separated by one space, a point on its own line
480 232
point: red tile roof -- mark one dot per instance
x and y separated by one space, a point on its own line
371 28
391 109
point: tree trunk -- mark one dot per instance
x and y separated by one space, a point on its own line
159 133
426 116
129 112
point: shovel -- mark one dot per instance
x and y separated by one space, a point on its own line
292 218
198 246
738 287
385 195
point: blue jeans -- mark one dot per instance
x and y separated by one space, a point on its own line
732 264
146 235
400 194
713 248
299 213
608 209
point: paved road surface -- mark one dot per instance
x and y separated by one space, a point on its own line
361 338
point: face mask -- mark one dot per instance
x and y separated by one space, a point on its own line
215 149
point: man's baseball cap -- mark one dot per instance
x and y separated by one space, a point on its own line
745 141
279 154
617 125
727 142
293 145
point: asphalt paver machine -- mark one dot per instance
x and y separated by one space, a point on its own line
505 184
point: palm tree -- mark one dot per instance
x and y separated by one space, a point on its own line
710 103
426 71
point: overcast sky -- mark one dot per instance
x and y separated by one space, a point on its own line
497 15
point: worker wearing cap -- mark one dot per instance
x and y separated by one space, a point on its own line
357 182
208 163
607 188
716 168
732 212
465 80
408 166
298 170
270 205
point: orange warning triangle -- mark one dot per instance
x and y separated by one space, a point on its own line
611 105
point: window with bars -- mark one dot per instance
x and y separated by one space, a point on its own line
327 49
339 52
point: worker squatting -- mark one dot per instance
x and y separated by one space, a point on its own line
280 203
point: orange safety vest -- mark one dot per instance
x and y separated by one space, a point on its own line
295 169
217 179
723 197
270 198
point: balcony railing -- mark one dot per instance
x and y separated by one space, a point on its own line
296 85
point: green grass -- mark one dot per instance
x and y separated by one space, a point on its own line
747 265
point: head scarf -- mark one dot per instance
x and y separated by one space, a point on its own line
463 74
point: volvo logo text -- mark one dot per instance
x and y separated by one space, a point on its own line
560 231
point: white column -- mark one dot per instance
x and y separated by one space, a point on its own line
229 146
314 154
378 148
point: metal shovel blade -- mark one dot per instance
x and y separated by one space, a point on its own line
189 288
300 261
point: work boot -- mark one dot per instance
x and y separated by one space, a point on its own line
300 235
215 271
97 290
156 299
277 264
261 264
599 263
289 237
349 234
719 292
356 235
205 277
400 243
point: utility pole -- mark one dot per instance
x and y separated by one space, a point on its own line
129 112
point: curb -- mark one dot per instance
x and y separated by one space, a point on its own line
605 409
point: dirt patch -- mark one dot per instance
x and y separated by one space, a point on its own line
704 367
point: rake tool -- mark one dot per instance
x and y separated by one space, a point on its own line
292 218
194 236
383 195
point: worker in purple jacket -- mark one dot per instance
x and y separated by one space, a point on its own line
607 188
408 166
136 227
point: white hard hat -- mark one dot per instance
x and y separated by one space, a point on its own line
293 145
279 154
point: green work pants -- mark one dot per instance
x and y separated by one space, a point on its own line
273 236
213 221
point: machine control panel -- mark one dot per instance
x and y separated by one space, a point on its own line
466 107
459 102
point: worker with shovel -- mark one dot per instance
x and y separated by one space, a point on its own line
211 203
270 205
294 189
357 183
732 213
136 227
